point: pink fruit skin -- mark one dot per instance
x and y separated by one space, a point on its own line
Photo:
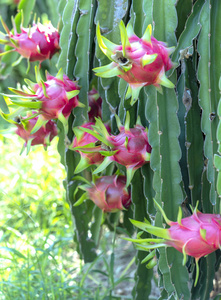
109 193
94 102
37 43
57 100
39 137
133 154
189 234
94 157
149 73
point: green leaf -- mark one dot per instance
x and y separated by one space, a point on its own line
159 232
107 161
40 122
82 165
13 251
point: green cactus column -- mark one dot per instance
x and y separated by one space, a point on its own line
182 124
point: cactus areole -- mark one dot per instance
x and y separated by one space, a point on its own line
139 61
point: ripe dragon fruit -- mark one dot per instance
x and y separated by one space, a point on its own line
94 102
84 139
197 235
139 61
109 193
53 99
129 148
43 136
37 43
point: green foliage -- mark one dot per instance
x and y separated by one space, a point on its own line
37 233
38 255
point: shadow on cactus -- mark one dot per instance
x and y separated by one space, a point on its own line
197 235
139 61
95 105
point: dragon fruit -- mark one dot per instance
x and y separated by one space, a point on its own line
139 61
59 96
53 99
197 235
129 148
109 193
37 43
84 139
94 102
43 136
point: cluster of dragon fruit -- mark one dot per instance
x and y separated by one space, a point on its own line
36 108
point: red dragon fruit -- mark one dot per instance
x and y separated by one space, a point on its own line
82 139
197 235
94 102
139 61
42 137
58 95
53 99
129 148
36 43
109 193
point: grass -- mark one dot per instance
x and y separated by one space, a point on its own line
38 259
35 228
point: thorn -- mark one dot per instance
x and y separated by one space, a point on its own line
127 122
147 34
203 234
179 217
163 80
148 59
60 74
72 94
